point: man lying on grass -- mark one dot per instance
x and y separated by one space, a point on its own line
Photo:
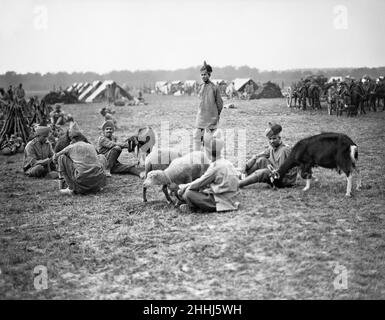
217 188
111 149
80 167
257 167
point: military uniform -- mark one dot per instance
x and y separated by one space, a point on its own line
209 112
58 117
217 188
209 109
20 95
81 167
257 166
34 151
275 155
111 150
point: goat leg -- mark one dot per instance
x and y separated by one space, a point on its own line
179 199
165 191
349 185
307 187
144 194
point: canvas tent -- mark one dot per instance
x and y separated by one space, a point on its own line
218 82
176 86
101 93
77 88
83 88
222 84
240 84
268 90
190 83
70 88
162 87
190 86
90 89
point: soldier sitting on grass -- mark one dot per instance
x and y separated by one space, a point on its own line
38 155
111 149
217 189
257 167
58 117
80 167
12 146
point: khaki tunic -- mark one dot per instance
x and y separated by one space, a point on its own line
82 166
277 157
105 145
221 180
35 151
210 107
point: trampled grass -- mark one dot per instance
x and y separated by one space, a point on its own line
281 244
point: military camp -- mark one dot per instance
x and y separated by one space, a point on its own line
192 154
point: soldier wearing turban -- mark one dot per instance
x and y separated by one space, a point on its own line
210 107
217 188
111 149
275 155
206 67
38 155
80 167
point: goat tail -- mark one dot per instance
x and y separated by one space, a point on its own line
354 153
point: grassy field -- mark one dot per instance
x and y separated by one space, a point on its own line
281 244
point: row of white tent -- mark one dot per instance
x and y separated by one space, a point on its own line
93 92
165 86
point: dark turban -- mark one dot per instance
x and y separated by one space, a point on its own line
274 130
108 123
206 67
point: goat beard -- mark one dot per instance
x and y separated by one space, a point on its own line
274 175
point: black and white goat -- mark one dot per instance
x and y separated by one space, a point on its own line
141 143
328 150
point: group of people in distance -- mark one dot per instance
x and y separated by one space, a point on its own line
82 168
13 94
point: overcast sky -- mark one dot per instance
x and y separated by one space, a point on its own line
101 36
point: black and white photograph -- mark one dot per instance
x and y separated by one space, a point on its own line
190 150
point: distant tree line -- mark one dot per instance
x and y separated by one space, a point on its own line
143 79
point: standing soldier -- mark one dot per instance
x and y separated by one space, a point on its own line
10 93
20 94
209 109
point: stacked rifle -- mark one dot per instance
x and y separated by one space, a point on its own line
15 124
